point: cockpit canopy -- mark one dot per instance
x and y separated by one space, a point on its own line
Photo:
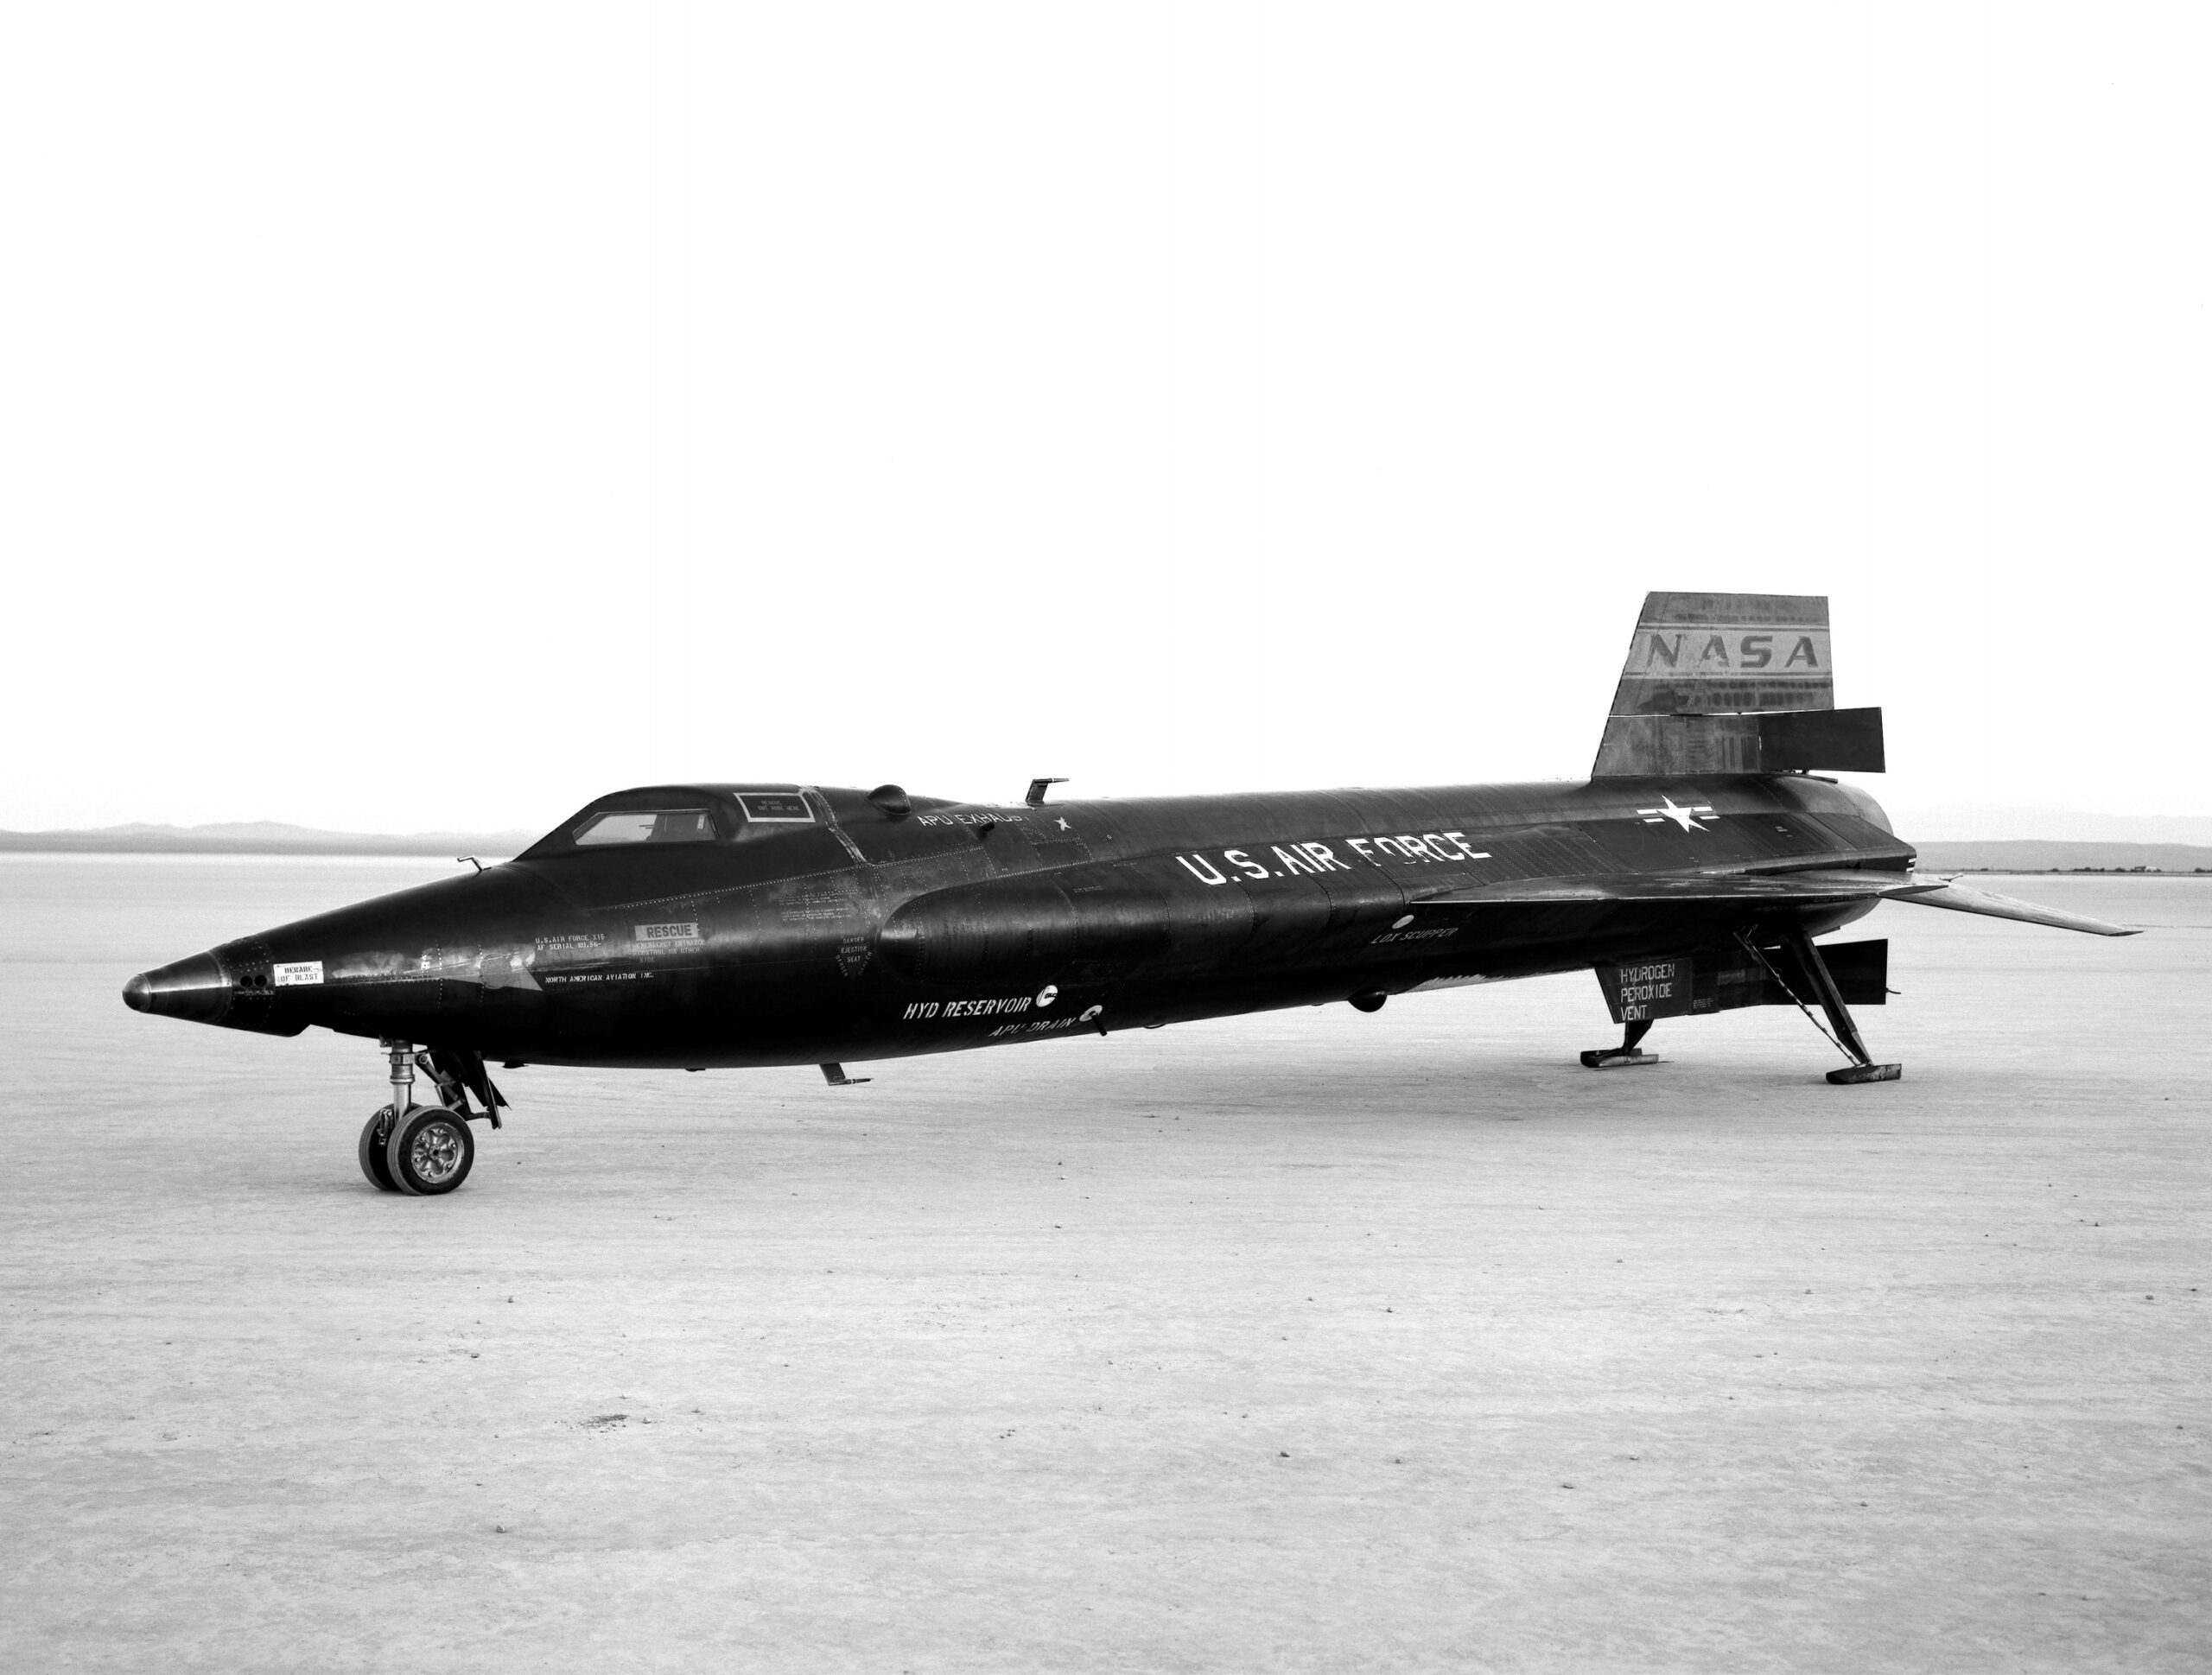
660 814
646 826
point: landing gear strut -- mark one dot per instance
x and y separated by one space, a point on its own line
426 1150
1615 1058
1862 1067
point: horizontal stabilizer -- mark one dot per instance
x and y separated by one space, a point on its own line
1781 888
1936 893
1819 888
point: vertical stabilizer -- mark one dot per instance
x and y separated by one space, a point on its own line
1706 654
1717 682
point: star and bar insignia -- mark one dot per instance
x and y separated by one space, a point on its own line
1684 816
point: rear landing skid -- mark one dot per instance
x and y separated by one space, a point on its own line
1844 1031
1625 1056
1840 1029
1616 1059
1852 1073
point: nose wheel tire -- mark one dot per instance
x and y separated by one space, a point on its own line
429 1151
373 1136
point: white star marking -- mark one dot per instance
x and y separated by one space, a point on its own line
1063 826
1686 818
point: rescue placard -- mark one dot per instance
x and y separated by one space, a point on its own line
774 805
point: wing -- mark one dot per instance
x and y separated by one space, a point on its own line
1929 891
1819 888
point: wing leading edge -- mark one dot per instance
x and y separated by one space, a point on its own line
1825 888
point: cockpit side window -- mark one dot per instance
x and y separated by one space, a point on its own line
646 826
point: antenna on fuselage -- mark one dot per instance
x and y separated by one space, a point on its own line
1035 799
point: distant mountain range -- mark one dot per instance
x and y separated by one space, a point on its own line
1991 823
271 837
2035 855
262 837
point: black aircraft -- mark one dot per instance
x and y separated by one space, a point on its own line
730 925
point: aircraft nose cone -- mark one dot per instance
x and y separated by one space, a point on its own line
194 988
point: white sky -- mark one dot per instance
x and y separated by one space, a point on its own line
435 415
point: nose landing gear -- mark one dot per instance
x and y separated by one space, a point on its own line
426 1150
431 1152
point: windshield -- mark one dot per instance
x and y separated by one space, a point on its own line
647 826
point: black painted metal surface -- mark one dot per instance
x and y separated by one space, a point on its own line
835 927
755 924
